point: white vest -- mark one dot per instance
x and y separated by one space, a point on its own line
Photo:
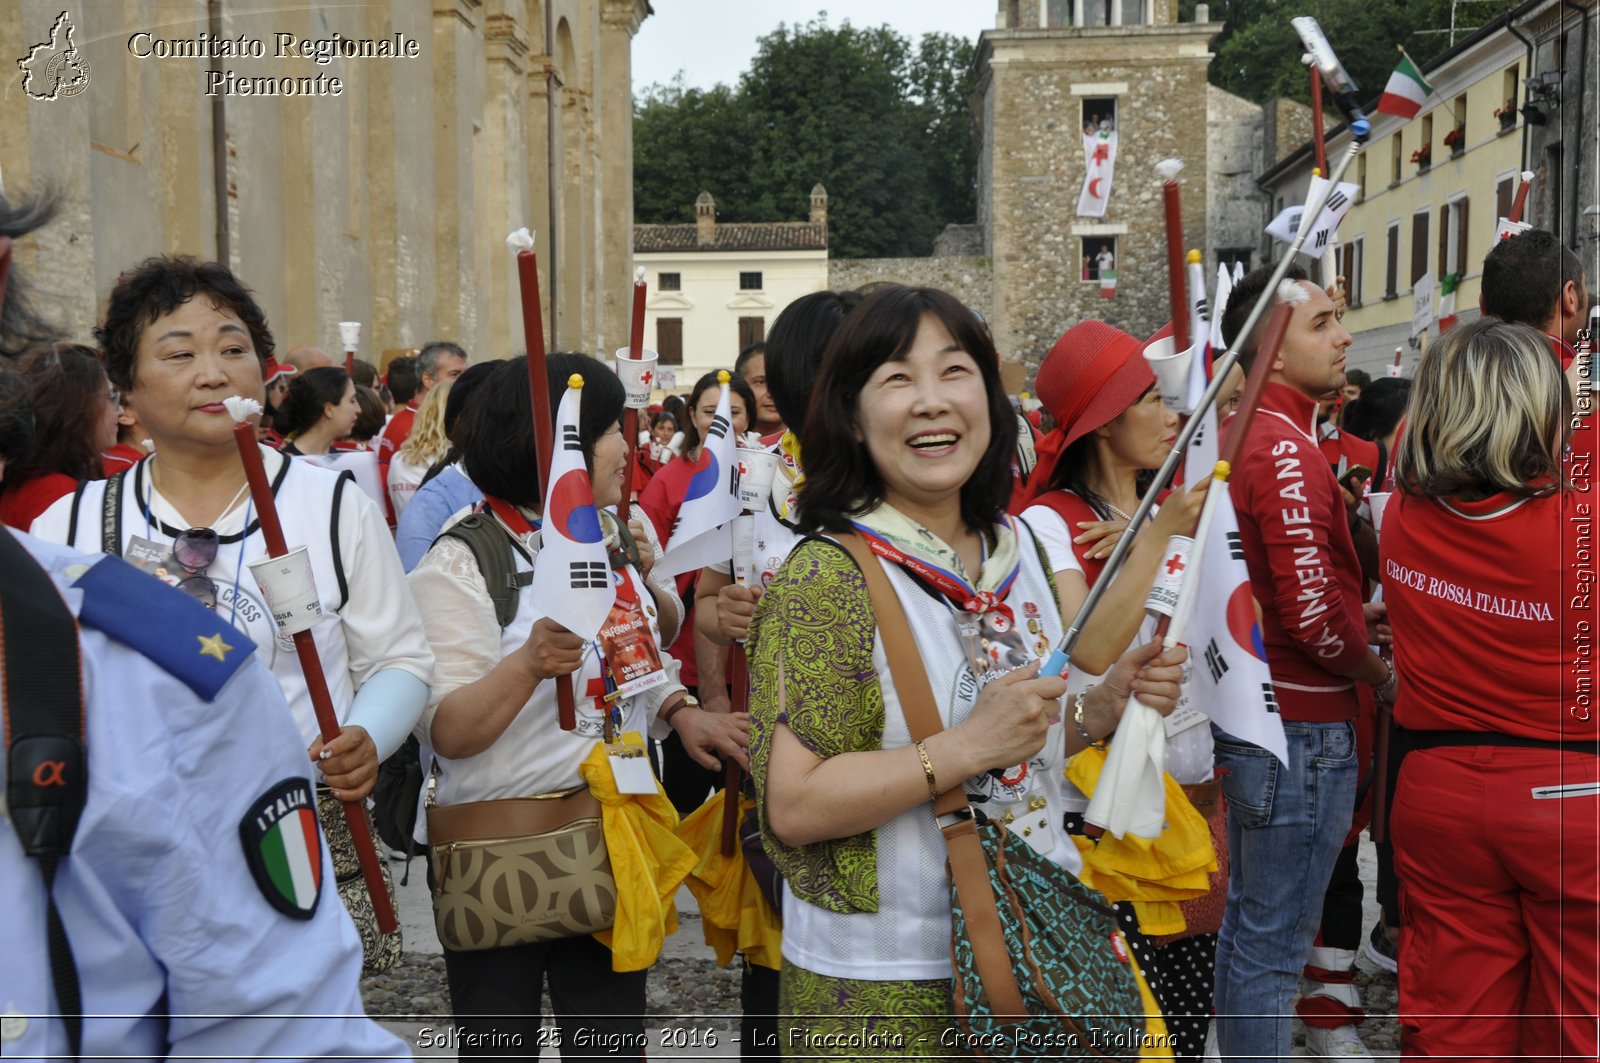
533 755
908 937
308 501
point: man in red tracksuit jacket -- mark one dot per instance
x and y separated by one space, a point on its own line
1287 822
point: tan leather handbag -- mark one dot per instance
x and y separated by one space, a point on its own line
520 870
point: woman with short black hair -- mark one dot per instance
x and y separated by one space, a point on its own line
908 444
493 717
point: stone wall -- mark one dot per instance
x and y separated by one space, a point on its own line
968 278
1287 127
388 204
1236 208
1032 84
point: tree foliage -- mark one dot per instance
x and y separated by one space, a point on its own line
1258 53
882 124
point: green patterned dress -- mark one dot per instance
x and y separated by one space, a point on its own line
815 621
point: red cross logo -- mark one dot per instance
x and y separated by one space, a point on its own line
597 690
644 377
1175 564
1102 152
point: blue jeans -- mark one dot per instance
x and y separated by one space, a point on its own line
1286 826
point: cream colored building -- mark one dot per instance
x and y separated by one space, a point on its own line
1436 213
715 288
387 202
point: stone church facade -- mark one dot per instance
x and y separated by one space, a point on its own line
388 203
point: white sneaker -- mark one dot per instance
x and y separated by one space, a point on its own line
1340 1042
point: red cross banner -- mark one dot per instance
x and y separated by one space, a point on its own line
572 578
1099 159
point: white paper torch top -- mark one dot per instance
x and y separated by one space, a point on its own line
1293 293
521 240
1168 169
241 408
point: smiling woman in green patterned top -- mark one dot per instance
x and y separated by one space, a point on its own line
908 442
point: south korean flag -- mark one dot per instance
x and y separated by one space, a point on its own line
703 532
572 576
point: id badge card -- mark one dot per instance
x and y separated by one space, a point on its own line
630 767
628 648
1183 717
153 558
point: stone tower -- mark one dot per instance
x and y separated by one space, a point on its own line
1047 71
819 204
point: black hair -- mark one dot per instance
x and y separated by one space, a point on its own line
370 421
749 351
795 346
1072 470
158 286
308 393
1243 300
496 435
66 392
455 403
402 379
841 481
1523 276
691 434
664 415
678 406
21 327
1357 378
1379 409
16 417
365 374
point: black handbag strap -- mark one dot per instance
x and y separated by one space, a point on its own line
969 868
46 769
111 515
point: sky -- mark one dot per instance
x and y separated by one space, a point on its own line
713 41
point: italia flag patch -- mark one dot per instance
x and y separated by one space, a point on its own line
283 846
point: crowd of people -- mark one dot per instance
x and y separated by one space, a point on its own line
1410 546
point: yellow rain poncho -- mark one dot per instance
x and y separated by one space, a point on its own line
647 860
734 911
1153 874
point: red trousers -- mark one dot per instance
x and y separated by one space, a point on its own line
1499 890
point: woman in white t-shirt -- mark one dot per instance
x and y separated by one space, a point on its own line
180 336
909 443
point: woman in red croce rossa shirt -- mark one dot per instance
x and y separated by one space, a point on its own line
1488 568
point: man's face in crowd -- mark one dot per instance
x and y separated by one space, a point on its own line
1312 358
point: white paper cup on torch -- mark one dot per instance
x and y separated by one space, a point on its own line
1377 502
1163 597
1171 367
290 590
757 467
744 539
350 334
638 376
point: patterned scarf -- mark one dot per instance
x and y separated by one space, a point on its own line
790 475
895 537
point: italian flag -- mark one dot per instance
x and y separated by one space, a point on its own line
1406 91
1447 302
292 854
1108 284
